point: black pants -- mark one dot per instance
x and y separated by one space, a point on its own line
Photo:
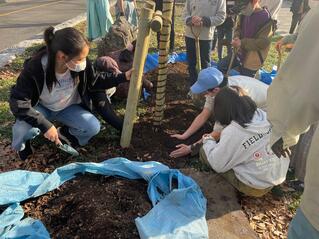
159 6
228 35
296 18
214 41
205 49
103 107
224 63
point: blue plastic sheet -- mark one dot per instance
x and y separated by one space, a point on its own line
11 225
151 62
184 208
177 213
267 77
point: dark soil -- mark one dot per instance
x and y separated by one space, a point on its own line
92 206
101 207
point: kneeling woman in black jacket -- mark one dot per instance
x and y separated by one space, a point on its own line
57 84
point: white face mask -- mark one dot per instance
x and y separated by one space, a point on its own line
77 67
248 10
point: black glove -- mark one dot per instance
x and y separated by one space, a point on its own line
278 149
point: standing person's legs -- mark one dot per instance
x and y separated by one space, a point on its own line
191 59
229 38
172 36
158 6
301 228
223 64
214 41
307 225
131 13
103 17
82 124
205 50
294 21
220 34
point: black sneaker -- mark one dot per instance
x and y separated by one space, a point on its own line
66 137
27 151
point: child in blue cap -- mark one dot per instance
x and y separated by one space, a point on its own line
210 81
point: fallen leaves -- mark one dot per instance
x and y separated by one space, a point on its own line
269 216
7 73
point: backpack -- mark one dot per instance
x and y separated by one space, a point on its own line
120 34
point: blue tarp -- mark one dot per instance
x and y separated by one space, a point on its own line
177 213
267 77
151 62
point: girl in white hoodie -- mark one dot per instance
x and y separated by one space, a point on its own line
241 152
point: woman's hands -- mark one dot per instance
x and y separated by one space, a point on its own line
279 150
179 136
197 21
52 135
214 134
128 74
182 150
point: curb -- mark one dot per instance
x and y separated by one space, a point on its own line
9 54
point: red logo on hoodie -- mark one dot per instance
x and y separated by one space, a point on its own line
257 155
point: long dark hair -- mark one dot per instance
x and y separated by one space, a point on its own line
68 40
230 106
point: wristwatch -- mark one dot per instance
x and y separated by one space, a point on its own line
122 14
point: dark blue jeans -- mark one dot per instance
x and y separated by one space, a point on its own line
224 63
82 124
228 35
300 227
205 49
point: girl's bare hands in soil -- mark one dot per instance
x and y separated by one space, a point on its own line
179 136
182 150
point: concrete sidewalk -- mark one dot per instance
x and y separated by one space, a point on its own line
21 20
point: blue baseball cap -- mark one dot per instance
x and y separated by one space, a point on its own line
208 78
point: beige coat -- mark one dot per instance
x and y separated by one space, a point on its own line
215 10
293 105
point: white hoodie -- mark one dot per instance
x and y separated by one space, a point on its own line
248 153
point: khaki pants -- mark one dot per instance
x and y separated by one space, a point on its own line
232 179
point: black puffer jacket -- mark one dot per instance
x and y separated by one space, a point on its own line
25 94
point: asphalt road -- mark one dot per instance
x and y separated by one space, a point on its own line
23 19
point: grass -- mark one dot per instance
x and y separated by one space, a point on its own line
295 202
17 64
